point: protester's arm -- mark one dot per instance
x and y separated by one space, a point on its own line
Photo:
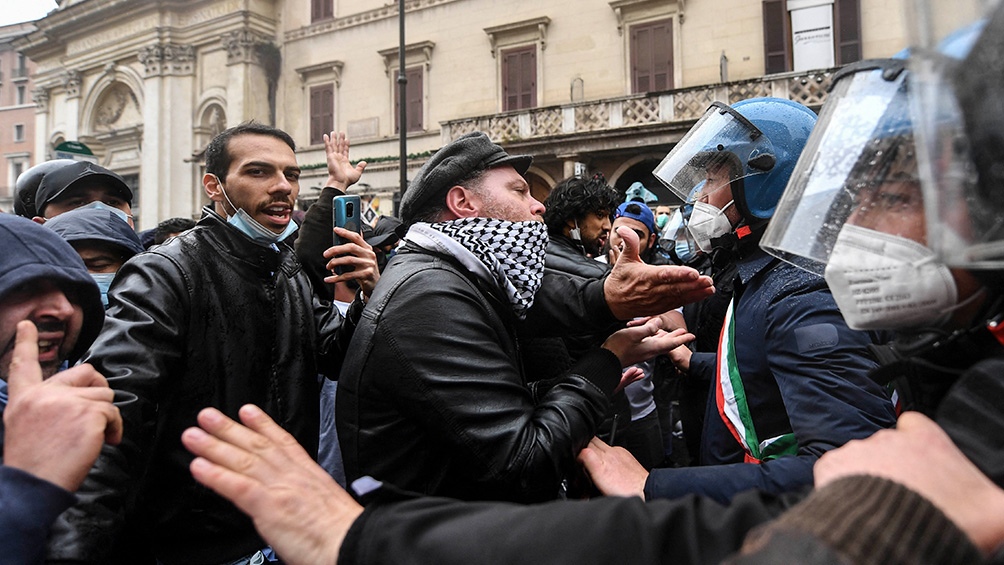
53 431
315 235
919 455
308 519
634 289
55 428
566 304
28 506
901 496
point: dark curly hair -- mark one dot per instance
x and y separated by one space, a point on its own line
576 198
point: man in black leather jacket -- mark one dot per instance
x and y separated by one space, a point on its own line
433 395
221 315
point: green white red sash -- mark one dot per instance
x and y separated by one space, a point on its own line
732 406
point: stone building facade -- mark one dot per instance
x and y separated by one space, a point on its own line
17 116
583 85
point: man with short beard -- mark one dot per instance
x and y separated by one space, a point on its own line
220 315
434 395
578 215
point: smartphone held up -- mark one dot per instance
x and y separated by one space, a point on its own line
346 214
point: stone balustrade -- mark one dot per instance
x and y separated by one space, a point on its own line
673 108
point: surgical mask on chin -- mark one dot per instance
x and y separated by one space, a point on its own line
883 281
104 281
708 222
251 228
99 205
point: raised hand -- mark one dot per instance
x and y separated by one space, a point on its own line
54 428
341 173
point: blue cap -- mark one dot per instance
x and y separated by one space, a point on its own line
644 215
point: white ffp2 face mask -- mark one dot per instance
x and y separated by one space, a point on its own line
883 281
708 222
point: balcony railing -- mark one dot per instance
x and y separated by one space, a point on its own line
668 107
18 73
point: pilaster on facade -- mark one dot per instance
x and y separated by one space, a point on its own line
167 59
71 83
244 46
40 96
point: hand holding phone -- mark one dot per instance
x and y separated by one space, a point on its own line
346 214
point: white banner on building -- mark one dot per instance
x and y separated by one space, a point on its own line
811 34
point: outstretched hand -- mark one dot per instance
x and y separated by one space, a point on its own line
919 455
295 505
341 173
613 470
54 428
637 343
634 289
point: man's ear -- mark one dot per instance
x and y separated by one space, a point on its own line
212 186
462 203
38 220
651 241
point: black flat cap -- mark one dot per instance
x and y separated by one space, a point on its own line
454 162
54 184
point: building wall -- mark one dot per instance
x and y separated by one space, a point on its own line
148 84
16 155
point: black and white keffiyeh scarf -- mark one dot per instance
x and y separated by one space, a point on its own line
511 254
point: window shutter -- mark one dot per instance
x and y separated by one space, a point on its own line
652 56
322 112
519 78
414 93
777 56
848 32
321 10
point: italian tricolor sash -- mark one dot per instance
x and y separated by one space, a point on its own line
731 399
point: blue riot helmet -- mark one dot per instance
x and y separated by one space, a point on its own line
749 148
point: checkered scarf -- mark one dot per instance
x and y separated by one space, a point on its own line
508 253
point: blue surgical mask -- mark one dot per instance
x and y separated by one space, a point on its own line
104 281
99 205
251 228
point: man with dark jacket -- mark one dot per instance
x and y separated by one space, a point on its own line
433 395
221 315
54 421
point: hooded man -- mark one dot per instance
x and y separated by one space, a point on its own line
54 421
